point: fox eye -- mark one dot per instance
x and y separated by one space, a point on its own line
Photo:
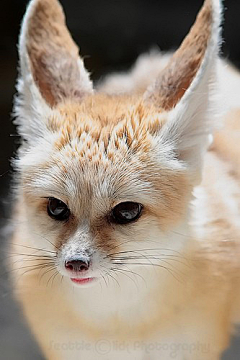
57 209
126 212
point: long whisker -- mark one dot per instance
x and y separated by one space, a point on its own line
104 279
45 238
122 243
31 267
33 257
40 267
51 268
52 277
122 271
149 257
155 265
50 261
56 274
134 273
145 249
33 248
107 272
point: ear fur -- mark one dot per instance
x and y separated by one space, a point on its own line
185 90
51 70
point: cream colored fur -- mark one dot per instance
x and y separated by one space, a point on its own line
141 137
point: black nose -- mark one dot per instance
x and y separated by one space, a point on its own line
78 265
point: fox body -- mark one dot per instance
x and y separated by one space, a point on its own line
127 223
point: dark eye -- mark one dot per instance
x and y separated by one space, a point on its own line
126 212
57 209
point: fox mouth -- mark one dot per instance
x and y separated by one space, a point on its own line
83 281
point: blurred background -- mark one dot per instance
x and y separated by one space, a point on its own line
111 34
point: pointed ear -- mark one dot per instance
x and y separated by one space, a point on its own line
51 70
184 88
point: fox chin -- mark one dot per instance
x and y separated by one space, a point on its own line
127 200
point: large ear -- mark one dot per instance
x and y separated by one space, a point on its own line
51 70
184 89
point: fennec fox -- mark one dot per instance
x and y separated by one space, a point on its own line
127 223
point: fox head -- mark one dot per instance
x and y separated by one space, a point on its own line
102 176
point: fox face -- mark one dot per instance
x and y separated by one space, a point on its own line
104 179
103 190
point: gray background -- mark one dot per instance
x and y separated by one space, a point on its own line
111 35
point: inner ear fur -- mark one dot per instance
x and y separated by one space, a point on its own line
176 78
53 56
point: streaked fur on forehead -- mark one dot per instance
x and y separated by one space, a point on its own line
104 128
108 124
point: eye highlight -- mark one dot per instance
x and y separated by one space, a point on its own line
126 212
57 209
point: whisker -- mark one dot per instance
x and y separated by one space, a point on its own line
134 273
122 243
53 277
33 248
100 283
105 280
140 250
162 259
33 267
108 274
31 260
44 237
48 269
155 265
123 272
29 270
32 256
